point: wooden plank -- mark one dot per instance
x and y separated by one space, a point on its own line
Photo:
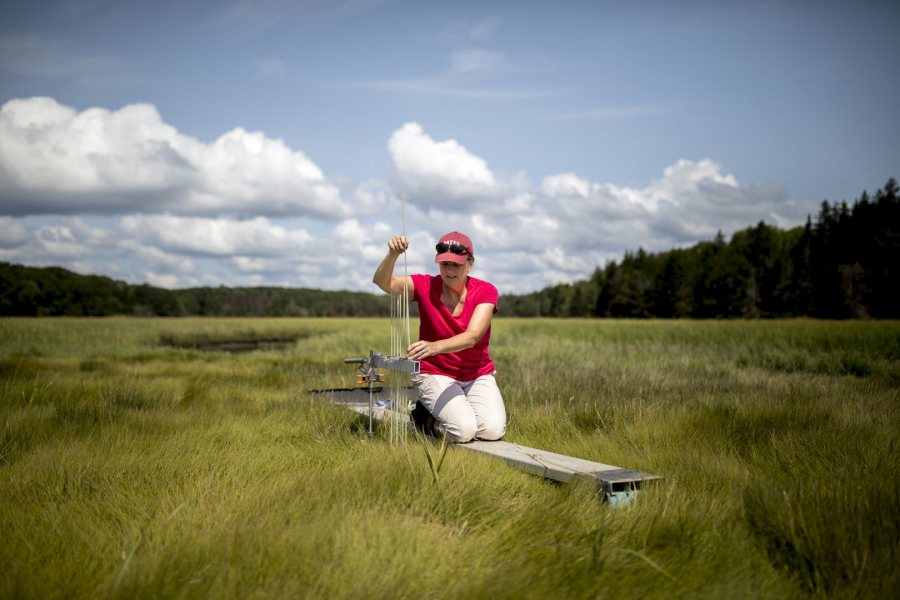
380 396
559 467
617 484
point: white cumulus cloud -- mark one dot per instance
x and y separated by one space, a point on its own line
216 237
439 170
56 160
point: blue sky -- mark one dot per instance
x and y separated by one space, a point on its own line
269 142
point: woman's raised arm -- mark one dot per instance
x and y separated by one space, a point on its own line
384 275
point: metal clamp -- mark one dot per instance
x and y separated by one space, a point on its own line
369 376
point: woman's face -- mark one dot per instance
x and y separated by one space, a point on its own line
452 273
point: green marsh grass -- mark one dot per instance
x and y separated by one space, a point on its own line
130 467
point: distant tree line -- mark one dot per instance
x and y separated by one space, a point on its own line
53 291
842 265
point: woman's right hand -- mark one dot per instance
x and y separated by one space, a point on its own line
398 244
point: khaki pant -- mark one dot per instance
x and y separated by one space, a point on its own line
466 409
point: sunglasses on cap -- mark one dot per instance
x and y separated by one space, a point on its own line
457 249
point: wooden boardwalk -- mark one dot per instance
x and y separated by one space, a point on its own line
617 485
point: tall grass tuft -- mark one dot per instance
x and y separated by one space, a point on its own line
827 515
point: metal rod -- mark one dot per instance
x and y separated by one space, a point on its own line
371 378
396 363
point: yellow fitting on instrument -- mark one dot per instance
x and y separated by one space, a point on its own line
363 378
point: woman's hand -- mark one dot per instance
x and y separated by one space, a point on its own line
478 325
421 350
384 274
398 244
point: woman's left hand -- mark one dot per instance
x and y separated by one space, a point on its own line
421 350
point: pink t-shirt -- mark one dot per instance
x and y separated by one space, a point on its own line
436 322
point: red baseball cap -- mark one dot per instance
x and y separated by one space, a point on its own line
454 241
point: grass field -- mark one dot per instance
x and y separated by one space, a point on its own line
139 459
